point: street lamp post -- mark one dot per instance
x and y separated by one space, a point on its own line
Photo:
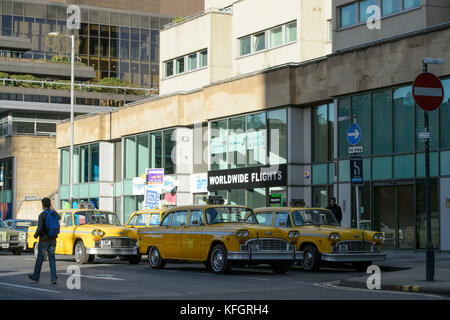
72 102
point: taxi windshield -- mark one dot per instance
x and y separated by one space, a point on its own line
230 215
306 217
96 217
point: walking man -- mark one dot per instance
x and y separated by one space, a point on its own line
336 209
47 231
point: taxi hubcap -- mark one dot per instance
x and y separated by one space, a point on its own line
218 260
78 253
308 259
154 258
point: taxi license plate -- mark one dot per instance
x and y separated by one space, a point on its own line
106 244
5 245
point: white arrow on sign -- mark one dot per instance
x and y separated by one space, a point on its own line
354 134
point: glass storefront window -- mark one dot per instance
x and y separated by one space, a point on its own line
420 164
236 197
444 110
343 123
169 151
404 166
84 164
65 165
94 162
320 134
218 144
361 109
319 174
421 215
143 153
382 168
382 122
256 139
130 157
256 198
236 142
277 136
404 107
156 150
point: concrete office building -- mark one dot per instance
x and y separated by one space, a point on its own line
116 40
225 129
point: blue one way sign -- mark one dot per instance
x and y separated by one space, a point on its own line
353 134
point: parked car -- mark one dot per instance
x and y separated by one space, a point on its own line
14 241
145 218
87 233
321 239
218 236
21 225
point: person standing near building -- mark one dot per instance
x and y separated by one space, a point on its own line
47 231
335 209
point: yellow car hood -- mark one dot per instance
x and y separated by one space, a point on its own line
109 230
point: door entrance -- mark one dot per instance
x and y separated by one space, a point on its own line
394 215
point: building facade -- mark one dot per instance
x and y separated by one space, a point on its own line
282 131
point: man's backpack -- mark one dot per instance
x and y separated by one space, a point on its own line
52 223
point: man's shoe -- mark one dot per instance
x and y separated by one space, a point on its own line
30 276
53 282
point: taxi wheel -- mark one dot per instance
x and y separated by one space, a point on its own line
311 258
154 258
81 257
218 259
36 252
280 267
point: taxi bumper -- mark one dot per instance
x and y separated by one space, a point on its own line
354 257
274 255
113 251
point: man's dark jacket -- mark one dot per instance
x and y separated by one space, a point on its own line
337 212
42 231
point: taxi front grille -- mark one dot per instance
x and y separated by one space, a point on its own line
354 246
266 245
118 242
14 238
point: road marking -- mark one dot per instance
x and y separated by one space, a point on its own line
30 288
98 277
335 285
137 268
250 278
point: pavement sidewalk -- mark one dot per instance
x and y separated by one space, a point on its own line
405 271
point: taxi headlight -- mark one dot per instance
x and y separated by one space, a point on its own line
293 234
99 233
22 236
378 236
334 236
242 233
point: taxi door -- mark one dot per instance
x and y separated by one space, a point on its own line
191 238
172 234
64 243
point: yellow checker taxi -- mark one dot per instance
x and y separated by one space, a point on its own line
87 233
218 236
145 218
320 238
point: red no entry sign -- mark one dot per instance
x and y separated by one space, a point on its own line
428 91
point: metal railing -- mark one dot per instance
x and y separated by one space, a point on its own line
79 85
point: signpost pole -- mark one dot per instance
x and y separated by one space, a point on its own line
430 252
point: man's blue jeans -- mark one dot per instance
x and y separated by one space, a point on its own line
43 247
